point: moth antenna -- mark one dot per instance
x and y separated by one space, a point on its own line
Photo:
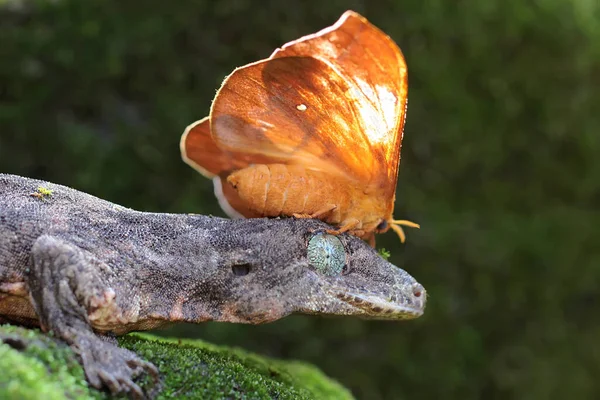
396 225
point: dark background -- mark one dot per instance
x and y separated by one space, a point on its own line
499 165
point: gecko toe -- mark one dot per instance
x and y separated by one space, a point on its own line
110 382
139 366
132 389
153 371
121 384
117 369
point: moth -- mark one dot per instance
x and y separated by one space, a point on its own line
313 131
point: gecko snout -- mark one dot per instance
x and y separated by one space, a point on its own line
419 295
418 290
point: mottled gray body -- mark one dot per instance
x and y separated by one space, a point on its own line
87 269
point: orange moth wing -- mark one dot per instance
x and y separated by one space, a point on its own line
374 67
199 150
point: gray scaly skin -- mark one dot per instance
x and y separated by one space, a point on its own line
87 270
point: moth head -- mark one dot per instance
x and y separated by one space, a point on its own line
383 226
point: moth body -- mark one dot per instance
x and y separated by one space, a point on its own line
278 189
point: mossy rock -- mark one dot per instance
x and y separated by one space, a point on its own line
192 369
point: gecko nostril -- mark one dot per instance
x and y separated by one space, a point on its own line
240 269
417 290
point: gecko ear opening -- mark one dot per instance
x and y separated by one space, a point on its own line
241 269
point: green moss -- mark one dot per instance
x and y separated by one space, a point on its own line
385 254
190 368
45 192
43 366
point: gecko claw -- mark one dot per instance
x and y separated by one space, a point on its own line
116 369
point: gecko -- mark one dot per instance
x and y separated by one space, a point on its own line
88 270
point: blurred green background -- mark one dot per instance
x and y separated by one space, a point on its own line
499 165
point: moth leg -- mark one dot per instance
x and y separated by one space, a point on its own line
346 225
319 213
396 226
405 223
66 285
367 236
371 240
301 216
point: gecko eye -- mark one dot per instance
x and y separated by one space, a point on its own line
327 254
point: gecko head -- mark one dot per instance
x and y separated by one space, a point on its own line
362 282
294 266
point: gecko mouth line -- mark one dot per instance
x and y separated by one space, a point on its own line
374 305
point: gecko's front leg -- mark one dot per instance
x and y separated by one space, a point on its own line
66 285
